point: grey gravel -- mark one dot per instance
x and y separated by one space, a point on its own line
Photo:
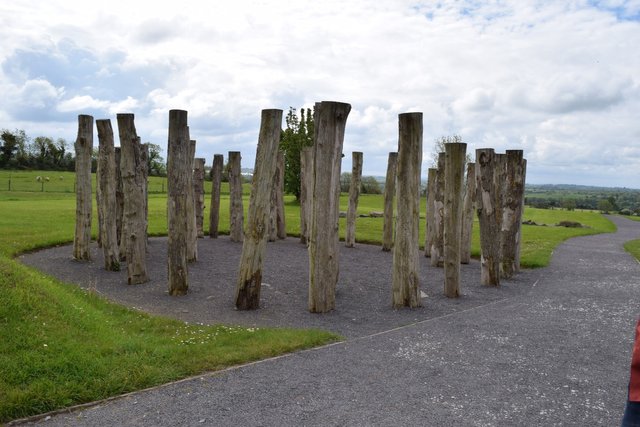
551 347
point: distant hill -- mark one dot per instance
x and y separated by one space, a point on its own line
614 199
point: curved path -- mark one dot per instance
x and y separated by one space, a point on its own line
557 353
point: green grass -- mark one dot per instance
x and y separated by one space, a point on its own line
633 247
60 345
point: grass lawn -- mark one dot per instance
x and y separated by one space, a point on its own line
60 345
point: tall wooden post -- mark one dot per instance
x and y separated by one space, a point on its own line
83 147
455 154
192 233
276 215
389 195
468 213
437 247
178 171
198 190
108 183
520 214
487 205
216 181
306 189
330 122
254 244
512 203
133 186
354 194
432 176
119 201
98 200
144 158
236 217
405 283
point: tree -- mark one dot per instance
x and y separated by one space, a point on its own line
438 148
605 206
568 204
155 162
370 185
298 134
345 182
12 142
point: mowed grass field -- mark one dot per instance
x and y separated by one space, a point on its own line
61 346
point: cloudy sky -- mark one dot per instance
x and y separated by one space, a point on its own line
558 79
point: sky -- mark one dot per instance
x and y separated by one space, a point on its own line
557 79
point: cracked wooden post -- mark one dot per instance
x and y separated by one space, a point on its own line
236 212
468 213
354 194
520 213
108 183
83 148
455 155
144 156
178 171
133 187
192 233
511 216
330 121
306 187
437 246
198 190
99 211
254 244
389 195
432 176
277 228
119 201
214 208
487 200
405 283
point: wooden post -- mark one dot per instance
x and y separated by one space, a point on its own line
236 217
144 158
389 195
512 206
520 214
216 181
432 176
83 147
330 122
276 213
437 247
306 189
98 200
487 200
119 201
468 213
107 184
254 244
405 283
354 194
198 190
133 186
455 154
178 172
192 234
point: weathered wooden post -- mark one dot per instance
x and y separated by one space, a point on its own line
455 155
437 247
216 181
119 201
405 283
330 122
144 158
198 190
236 217
354 194
98 200
487 201
178 172
192 233
512 207
468 213
523 170
108 183
306 189
389 195
83 147
133 186
276 213
432 176
254 244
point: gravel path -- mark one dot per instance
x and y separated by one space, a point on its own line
550 348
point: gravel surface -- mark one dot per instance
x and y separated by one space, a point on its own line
549 348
